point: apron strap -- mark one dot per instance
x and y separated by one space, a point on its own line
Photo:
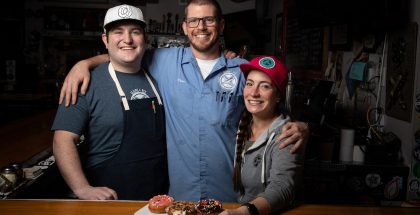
117 83
124 100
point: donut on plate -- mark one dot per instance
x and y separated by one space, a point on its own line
182 208
159 203
209 207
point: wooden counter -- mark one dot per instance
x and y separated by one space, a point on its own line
76 207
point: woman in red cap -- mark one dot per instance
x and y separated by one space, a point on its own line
266 177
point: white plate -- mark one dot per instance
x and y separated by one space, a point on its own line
145 211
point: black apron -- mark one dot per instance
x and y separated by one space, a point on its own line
139 169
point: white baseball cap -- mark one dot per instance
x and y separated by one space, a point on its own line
124 12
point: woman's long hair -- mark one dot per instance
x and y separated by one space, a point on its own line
244 133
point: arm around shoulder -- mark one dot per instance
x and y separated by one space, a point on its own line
295 133
79 74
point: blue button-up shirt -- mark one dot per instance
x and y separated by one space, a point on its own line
201 121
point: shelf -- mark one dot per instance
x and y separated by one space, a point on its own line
79 35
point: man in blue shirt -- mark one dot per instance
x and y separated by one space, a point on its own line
202 93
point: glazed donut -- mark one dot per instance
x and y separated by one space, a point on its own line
158 204
209 207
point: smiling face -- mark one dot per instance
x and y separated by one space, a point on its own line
126 45
204 37
260 95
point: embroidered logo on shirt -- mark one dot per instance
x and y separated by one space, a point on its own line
138 94
257 160
228 81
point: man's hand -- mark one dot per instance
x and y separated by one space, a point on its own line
79 73
229 54
296 133
96 193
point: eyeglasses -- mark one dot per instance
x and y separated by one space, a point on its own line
193 22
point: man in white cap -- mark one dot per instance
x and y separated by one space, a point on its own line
121 117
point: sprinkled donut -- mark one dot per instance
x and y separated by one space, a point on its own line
209 207
158 204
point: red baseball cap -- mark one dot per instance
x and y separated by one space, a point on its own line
271 66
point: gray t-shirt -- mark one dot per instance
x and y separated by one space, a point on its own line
99 114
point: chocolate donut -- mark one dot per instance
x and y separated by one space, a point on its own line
209 207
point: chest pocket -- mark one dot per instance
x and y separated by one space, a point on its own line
182 100
224 111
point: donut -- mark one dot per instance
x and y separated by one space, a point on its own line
182 208
209 207
158 204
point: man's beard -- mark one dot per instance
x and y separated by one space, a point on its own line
206 48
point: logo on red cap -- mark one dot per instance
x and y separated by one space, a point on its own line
267 62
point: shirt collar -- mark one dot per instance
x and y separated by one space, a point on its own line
188 57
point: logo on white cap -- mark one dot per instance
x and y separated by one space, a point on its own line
125 11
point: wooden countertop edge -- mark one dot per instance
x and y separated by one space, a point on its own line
69 206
